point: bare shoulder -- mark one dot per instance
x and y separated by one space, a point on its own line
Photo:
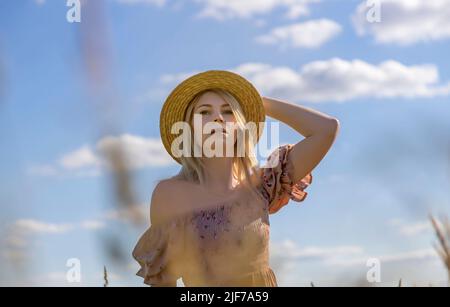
166 200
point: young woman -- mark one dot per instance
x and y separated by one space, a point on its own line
210 222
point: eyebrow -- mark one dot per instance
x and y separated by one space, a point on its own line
208 105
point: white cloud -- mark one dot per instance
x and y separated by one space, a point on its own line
138 152
338 80
21 231
414 255
341 80
288 254
17 239
136 213
159 3
173 78
412 229
42 170
289 250
22 228
228 9
406 22
82 157
286 257
59 279
30 226
25 227
310 34
92 224
20 234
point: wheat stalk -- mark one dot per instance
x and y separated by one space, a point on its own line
442 230
105 277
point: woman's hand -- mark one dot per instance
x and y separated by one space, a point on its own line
319 130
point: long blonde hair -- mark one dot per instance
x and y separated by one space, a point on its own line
245 167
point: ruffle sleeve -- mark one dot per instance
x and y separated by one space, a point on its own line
277 186
158 252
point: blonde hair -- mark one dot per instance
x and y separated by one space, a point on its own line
245 167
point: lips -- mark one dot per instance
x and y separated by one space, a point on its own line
219 130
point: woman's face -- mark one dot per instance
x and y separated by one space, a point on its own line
214 109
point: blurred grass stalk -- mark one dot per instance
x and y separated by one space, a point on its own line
442 230
96 53
105 277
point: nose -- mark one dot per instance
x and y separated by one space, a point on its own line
218 118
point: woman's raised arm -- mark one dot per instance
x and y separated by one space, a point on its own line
319 130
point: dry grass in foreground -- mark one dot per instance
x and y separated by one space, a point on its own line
442 229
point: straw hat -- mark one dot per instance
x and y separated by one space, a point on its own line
178 100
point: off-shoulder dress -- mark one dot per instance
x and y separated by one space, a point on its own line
226 244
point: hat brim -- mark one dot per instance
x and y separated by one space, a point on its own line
175 106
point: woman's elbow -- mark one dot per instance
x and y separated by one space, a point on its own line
332 127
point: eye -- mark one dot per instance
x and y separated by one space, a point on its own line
204 112
228 112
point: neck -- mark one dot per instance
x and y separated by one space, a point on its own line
219 173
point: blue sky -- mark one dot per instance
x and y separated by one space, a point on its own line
389 166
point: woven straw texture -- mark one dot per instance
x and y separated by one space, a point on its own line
178 100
